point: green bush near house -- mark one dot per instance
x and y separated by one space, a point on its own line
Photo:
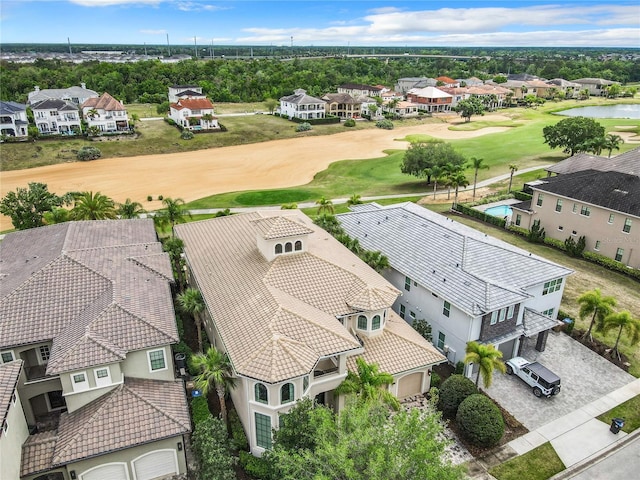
452 392
187 135
238 437
199 409
480 420
258 468
303 127
89 153
349 122
540 463
385 124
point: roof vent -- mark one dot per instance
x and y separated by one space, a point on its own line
444 280
467 283
617 190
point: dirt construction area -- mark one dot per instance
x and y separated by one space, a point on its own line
197 174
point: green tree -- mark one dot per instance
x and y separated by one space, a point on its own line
271 104
476 164
130 209
299 427
27 206
325 206
93 113
488 359
174 212
175 249
354 199
622 321
436 173
613 142
352 244
469 107
614 90
373 109
329 223
375 260
594 304
571 134
215 461
57 215
368 383
421 157
457 180
191 301
594 145
215 371
92 206
513 168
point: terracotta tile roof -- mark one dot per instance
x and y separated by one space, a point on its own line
398 349
37 453
444 79
279 227
96 289
105 102
193 104
9 374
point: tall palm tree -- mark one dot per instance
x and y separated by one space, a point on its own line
191 301
613 142
513 168
458 180
93 206
354 200
477 164
487 358
593 303
215 371
436 173
130 209
325 206
368 383
173 213
624 321
449 170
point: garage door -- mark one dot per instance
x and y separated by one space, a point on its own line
155 465
111 471
410 385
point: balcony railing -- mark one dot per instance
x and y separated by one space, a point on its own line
328 371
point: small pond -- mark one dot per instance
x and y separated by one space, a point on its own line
605 111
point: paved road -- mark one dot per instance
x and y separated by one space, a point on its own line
623 463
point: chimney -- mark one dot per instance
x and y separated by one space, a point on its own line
83 85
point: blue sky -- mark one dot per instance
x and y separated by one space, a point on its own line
581 23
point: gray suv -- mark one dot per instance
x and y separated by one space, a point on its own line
540 378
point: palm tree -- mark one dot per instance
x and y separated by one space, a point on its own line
375 260
354 200
458 180
191 302
593 303
325 206
436 173
595 145
513 168
90 206
624 321
477 164
487 358
56 215
215 370
368 383
93 113
130 209
173 213
449 170
612 143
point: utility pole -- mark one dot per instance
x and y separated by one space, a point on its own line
168 46
195 46
69 42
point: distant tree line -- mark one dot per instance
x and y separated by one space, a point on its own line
258 79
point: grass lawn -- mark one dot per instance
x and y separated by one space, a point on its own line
540 463
629 410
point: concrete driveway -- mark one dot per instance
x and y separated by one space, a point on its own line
585 377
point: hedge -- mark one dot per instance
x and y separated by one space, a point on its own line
199 410
480 421
522 196
316 121
500 222
256 467
611 264
452 392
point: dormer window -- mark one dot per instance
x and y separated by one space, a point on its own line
278 249
298 246
288 247
362 322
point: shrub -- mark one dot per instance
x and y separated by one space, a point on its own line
435 380
199 410
186 135
89 153
522 196
254 466
573 248
452 392
480 421
303 127
149 198
611 264
423 328
472 212
459 369
238 437
552 242
349 122
523 232
210 446
385 124
170 121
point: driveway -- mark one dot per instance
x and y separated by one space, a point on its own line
585 377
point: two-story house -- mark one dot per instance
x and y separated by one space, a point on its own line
407 83
360 90
13 119
293 308
303 106
194 113
87 308
430 99
467 285
106 114
596 86
13 426
342 105
57 117
177 92
76 95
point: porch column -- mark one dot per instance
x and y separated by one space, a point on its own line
541 343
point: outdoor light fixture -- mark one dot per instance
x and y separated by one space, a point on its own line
73 474
179 446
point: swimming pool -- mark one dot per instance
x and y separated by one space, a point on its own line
499 211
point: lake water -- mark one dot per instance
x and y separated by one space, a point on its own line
607 111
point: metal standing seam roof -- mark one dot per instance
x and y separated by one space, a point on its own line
475 272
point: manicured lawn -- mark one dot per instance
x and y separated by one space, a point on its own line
629 410
540 463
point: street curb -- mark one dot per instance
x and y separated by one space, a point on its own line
603 454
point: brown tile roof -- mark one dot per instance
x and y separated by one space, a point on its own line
9 374
105 102
445 79
288 306
279 227
193 104
96 289
136 412
340 98
398 349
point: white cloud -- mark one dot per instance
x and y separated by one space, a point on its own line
153 32
109 3
196 6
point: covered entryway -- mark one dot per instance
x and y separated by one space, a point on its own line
410 385
110 471
156 464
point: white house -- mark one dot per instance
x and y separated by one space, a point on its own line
465 284
76 95
596 86
193 113
55 117
177 92
359 90
13 119
301 105
105 113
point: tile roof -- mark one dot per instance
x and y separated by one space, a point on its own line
9 374
613 190
189 93
9 108
444 79
59 93
105 102
96 289
136 412
193 104
628 162
288 306
300 97
535 322
53 104
339 98
280 227
360 86
473 271
429 92
593 81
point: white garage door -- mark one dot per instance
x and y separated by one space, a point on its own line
410 385
111 471
156 465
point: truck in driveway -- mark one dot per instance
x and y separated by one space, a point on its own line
542 380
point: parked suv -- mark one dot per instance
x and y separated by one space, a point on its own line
541 379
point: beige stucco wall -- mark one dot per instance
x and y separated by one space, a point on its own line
137 365
76 400
11 442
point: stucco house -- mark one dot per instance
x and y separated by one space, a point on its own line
177 92
106 114
596 86
430 99
293 309
13 426
407 83
303 106
467 285
13 119
86 308
358 90
194 113
56 117
76 95
342 105
447 81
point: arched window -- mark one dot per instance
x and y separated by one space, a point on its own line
278 248
375 322
262 395
298 245
288 247
286 393
362 322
